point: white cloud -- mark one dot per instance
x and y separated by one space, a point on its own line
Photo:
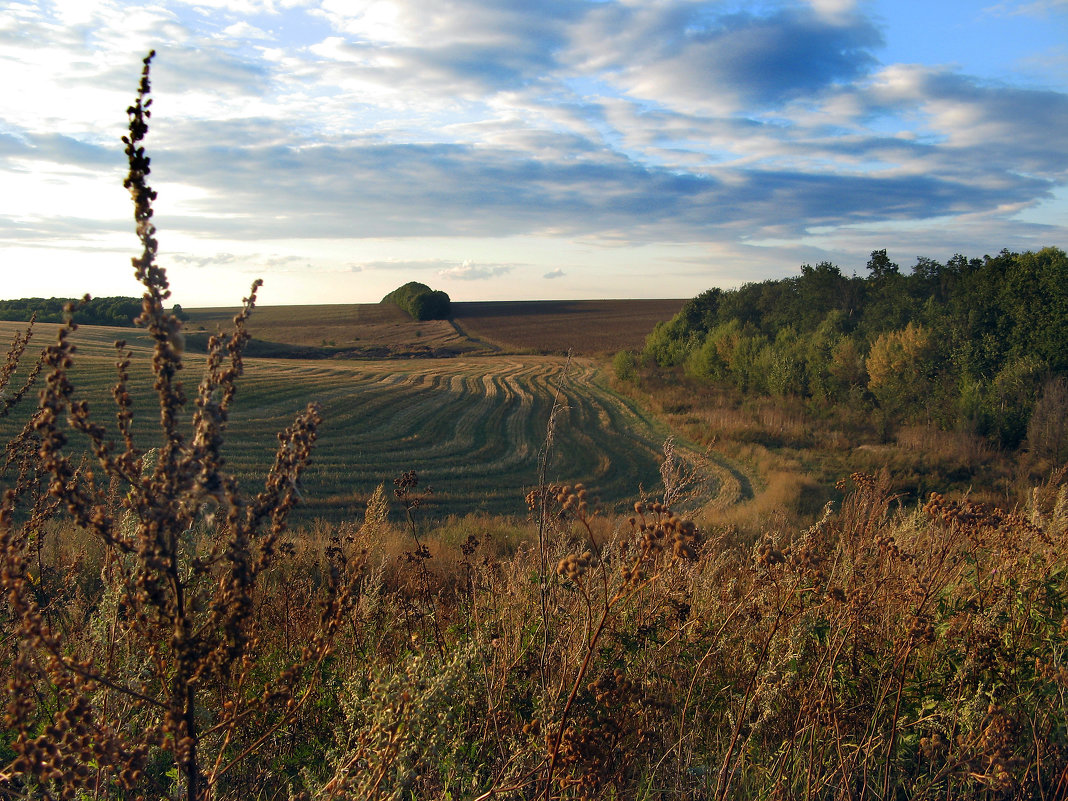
1029 8
468 271
242 30
193 260
834 9
609 124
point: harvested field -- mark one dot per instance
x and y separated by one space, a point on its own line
472 427
585 327
360 330
377 331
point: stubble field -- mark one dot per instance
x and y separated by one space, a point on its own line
472 427
378 331
585 327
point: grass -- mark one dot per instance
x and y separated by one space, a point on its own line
794 452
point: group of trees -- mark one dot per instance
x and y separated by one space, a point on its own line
974 343
118 311
420 301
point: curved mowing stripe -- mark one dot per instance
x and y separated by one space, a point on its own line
472 428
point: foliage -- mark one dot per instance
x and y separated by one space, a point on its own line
897 366
420 301
1047 429
993 331
118 311
625 365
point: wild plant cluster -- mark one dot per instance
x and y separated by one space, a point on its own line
111 673
166 637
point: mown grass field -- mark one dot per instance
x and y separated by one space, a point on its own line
471 427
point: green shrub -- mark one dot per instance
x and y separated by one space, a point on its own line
420 301
625 365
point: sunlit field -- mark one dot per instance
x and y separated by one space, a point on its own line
472 428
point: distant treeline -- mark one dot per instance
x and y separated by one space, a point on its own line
118 311
420 301
980 344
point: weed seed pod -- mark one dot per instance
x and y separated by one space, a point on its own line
685 540
768 555
573 566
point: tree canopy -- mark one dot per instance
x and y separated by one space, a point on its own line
118 311
972 342
420 301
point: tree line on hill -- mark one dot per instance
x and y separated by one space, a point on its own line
117 311
420 301
977 344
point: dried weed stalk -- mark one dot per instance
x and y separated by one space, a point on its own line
184 678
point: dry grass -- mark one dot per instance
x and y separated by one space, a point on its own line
875 653
792 452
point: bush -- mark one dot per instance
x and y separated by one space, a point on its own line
625 365
420 301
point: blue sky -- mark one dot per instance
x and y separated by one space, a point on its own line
508 149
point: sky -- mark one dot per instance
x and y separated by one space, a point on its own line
525 149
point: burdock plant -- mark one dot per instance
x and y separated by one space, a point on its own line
181 692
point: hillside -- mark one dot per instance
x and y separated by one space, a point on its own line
376 330
472 426
361 331
585 327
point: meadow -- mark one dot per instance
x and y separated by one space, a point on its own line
170 635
